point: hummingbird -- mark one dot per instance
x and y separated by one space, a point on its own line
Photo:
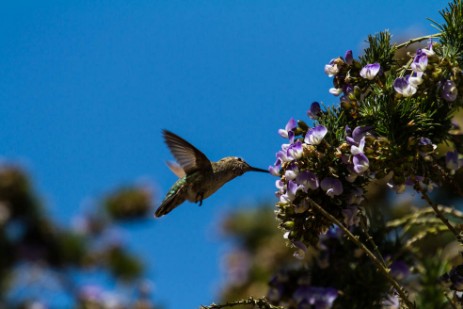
199 178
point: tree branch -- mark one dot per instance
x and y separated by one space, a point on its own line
261 303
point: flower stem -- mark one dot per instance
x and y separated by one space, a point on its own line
385 271
372 243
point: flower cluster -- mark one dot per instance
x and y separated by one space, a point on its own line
392 115
314 167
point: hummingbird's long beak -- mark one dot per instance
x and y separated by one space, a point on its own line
255 169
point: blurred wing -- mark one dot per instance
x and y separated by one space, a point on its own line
189 158
176 169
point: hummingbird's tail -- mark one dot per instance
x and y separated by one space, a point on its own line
170 202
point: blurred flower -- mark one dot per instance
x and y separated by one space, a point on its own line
391 302
290 126
295 150
321 298
331 68
428 51
425 145
92 293
361 163
355 137
370 71
402 86
452 162
415 79
291 171
282 155
420 62
280 185
350 215
291 191
308 180
335 91
331 186
449 91
275 168
356 196
314 110
315 135
348 58
399 270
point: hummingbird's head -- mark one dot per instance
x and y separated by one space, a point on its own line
239 166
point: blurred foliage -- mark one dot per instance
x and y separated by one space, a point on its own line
36 250
129 203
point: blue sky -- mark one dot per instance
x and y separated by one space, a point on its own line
87 86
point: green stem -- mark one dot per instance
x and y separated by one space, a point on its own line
419 39
371 255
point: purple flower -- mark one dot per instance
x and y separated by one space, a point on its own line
428 51
314 110
425 146
370 71
91 293
321 298
290 126
399 270
402 86
291 190
415 79
280 185
358 149
331 186
308 180
291 171
449 91
315 135
355 196
391 302
357 135
331 68
348 58
295 150
361 163
350 215
275 168
282 155
420 62
335 91
347 88
452 162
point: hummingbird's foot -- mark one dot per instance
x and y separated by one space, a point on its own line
199 199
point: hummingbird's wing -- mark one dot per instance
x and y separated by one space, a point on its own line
187 155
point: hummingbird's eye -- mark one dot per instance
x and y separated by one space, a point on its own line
239 159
